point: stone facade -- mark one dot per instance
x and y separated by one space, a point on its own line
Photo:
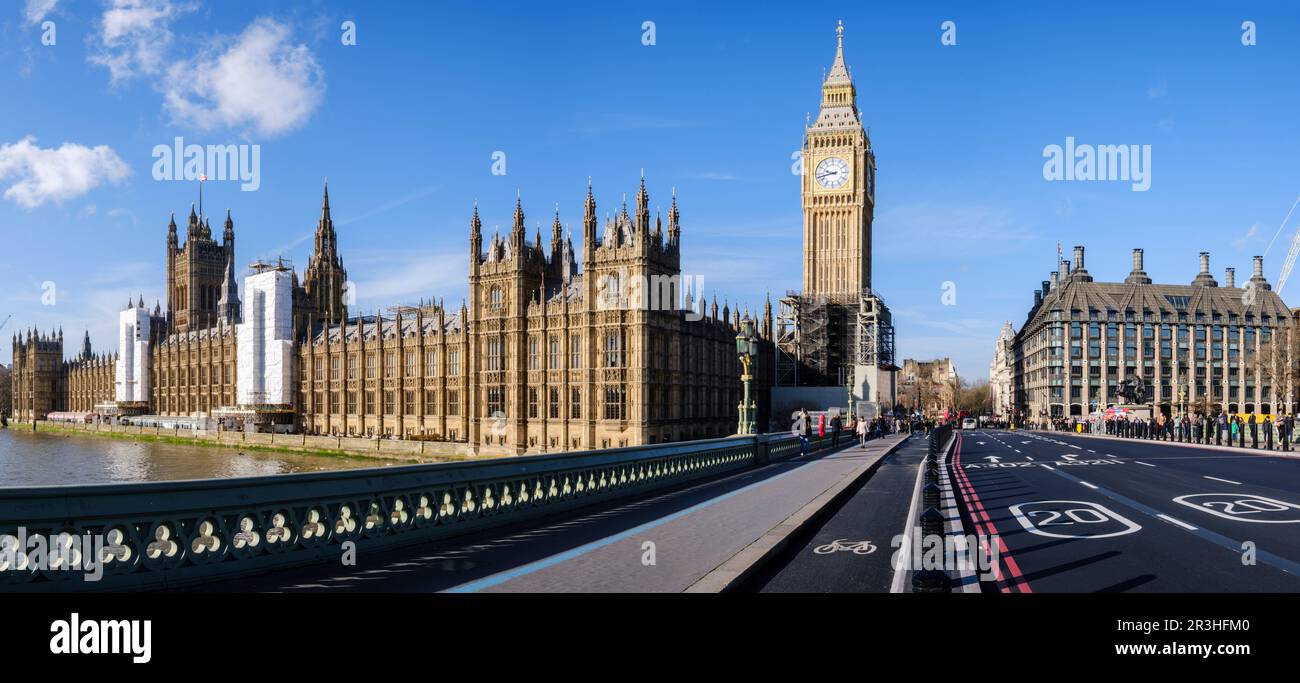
544 356
1002 372
1199 348
929 386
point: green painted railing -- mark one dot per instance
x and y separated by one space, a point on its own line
177 533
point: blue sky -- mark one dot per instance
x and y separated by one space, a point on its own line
405 123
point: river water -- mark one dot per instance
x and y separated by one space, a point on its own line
42 459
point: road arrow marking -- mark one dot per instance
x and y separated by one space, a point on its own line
993 459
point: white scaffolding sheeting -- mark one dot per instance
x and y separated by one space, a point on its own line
131 374
265 340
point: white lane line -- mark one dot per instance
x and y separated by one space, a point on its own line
1091 486
1144 463
1029 458
1047 466
1016 450
1091 451
1226 481
1178 522
1074 447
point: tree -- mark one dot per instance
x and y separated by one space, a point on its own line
976 398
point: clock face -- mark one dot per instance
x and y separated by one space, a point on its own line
832 172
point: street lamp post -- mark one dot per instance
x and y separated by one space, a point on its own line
747 349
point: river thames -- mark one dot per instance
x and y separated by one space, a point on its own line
43 459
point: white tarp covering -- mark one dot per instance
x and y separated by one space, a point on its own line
132 371
264 358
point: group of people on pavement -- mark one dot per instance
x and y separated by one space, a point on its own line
831 424
1196 428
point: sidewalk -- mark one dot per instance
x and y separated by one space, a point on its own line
703 548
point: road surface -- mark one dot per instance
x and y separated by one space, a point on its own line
1095 514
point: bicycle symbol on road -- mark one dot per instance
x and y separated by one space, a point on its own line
844 545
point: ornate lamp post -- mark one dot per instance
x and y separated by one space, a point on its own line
747 349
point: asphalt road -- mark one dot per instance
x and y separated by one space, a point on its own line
850 551
1087 514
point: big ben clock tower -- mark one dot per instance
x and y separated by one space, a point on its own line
839 183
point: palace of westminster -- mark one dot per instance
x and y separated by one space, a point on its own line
544 356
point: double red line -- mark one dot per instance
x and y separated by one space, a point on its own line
984 526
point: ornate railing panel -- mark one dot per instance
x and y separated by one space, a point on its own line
171 534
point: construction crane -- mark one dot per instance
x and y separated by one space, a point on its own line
1291 255
6 321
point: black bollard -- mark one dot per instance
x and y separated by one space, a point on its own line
931 580
930 496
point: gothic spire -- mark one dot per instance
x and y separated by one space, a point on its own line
642 207
674 229
519 213
589 218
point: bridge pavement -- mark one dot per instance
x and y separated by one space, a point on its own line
666 542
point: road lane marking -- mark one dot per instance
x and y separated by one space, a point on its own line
1047 466
1030 458
1180 523
1239 506
1070 514
1226 481
975 509
1229 544
1091 486
1144 463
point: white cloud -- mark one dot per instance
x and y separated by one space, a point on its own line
134 36
262 80
55 174
1252 235
1157 91
36 10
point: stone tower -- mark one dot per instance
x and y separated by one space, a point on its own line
325 280
196 272
838 191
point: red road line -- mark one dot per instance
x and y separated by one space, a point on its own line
974 504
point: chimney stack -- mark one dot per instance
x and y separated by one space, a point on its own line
1137 276
1038 297
1055 279
1204 278
1078 258
1047 287
1230 277
1257 279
